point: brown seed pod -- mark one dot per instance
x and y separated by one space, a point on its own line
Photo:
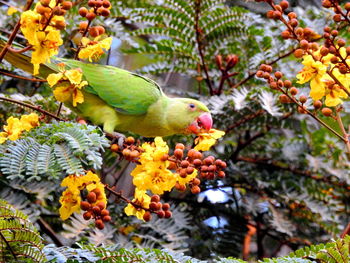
91 3
60 25
317 104
87 215
180 146
82 27
285 34
197 162
104 212
147 216
195 189
178 153
284 4
101 205
301 110
153 206
105 12
100 29
40 9
90 16
189 170
130 140
299 53
292 15
167 214
269 14
66 5
85 205
99 224
212 168
91 197
278 74
45 3
114 147
93 31
96 210
302 98
183 173
184 164
165 206
327 112
293 91
106 218
106 4
83 12
196 181
161 214
155 198
221 174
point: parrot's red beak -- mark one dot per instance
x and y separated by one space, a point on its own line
203 122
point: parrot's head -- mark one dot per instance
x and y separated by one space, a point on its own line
192 116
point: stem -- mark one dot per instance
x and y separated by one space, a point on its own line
14 32
21 77
8 245
346 136
199 45
83 35
20 50
314 116
36 108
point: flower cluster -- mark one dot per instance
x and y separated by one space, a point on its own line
68 85
71 200
158 171
41 28
15 127
205 141
93 49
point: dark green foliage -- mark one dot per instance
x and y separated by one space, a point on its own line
20 241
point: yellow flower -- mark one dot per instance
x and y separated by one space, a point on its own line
205 141
93 50
30 121
47 47
152 173
141 200
30 24
11 10
53 78
13 128
70 88
70 203
314 71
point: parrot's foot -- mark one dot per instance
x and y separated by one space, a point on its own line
117 137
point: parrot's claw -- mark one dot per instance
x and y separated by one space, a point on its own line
117 137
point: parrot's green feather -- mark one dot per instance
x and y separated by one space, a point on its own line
127 92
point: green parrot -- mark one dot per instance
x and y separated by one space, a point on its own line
122 101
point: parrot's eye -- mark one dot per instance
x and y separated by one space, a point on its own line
192 106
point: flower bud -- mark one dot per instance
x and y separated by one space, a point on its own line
87 215
303 99
327 111
99 224
90 16
147 216
91 197
317 104
293 91
83 12
66 5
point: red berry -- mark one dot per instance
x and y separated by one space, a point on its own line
104 212
155 198
99 224
87 215
165 206
96 210
167 214
106 218
91 197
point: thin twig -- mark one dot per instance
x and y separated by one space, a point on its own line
345 134
8 245
48 230
14 33
200 47
36 108
7 73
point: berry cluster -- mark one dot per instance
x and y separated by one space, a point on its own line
208 167
95 208
98 8
162 210
43 8
131 149
230 61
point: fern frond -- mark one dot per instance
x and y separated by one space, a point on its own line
19 240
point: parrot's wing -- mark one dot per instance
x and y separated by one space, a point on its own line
127 92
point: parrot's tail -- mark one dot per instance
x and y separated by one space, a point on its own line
19 60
